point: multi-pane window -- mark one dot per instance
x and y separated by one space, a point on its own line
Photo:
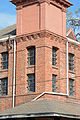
71 62
31 83
31 56
54 83
54 56
3 86
71 87
4 60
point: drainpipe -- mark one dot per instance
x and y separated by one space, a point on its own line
67 81
14 52
14 73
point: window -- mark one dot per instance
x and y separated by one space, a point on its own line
71 62
31 83
71 87
54 81
4 60
54 56
3 86
31 56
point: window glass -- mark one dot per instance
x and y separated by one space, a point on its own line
54 56
71 62
31 56
71 87
31 83
4 60
54 81
3 86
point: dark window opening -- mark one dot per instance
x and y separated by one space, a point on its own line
31 83
71 87
31 56
71 62
4 60
54 83
54 56
3 86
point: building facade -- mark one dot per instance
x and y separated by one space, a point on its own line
39 62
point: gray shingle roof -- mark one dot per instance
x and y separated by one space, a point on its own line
43 108
10 30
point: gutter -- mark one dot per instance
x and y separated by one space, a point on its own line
6 38
73 41
51 93
31 115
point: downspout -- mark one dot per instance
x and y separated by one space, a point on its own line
14 72
67 81
14 52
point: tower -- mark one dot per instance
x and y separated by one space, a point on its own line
41 28
36 15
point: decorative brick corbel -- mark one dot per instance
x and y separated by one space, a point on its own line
18 39
24 38
70 44
35 36
42 1
29 37
42 34
47 35
52 37
60 39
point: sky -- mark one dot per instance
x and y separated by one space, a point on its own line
8 12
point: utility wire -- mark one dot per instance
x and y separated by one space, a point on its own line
48 80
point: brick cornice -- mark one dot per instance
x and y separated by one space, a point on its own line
41 34
63 4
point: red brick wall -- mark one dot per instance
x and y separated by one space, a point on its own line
43 70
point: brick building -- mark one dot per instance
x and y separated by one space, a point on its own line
39 64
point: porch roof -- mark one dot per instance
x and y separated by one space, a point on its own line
43 108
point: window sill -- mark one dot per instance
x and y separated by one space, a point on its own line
5 96
4 70
30 93
55 67
71 72
31 66
71 97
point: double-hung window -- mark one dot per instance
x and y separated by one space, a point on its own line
54 83
4 60
54 56
31 83
71 62
31 56
71 87
3 86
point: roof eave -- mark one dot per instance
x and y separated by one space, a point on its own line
40 115
65 2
